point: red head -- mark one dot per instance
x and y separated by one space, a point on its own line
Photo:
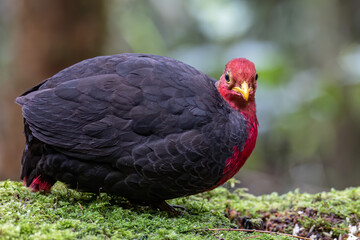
238 84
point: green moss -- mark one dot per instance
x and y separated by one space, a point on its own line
67 214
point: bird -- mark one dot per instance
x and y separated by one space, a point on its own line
145 127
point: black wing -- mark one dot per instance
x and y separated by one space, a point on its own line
101 113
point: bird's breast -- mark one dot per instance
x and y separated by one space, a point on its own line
239 156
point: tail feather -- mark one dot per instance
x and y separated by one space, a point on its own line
43 165
32 155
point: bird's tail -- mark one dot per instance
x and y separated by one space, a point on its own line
32 155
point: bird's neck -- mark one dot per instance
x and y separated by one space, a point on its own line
248 109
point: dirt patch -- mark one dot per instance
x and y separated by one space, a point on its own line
307 222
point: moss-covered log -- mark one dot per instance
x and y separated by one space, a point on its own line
67 214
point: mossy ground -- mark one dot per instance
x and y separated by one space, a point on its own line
67 214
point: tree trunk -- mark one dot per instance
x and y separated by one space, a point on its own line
50 35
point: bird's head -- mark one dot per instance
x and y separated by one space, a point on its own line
238 83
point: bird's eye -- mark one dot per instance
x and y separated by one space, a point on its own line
227 77
256 77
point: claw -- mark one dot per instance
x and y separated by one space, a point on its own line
170 209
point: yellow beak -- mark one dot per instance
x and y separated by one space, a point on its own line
244 90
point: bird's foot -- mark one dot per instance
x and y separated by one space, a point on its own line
170 209
178 206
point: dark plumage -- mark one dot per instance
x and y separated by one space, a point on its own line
145 127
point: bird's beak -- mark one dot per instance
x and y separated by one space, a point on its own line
244 90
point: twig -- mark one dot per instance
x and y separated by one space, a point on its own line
54 206
254 230
252 237
343 229
100 188
80 206
107 236
310 231
82 209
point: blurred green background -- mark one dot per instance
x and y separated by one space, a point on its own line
307 54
